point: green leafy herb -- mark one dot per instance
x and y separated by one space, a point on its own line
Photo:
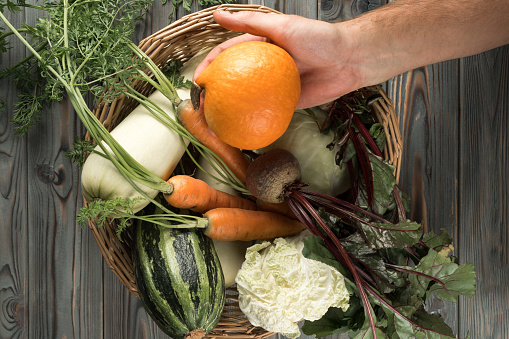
100 212
30 83
172 72
80 151
4 45
121 210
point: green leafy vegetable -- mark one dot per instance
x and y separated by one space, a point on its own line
405 288
406 321
172 72
450 280
383 184
81 149
401 235
335 321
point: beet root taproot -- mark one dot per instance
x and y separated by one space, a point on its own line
271 173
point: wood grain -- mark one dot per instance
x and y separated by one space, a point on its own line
14 230
336 11
426 103
483 191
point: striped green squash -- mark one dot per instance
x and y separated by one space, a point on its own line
179 279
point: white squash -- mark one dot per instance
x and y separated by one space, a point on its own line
204 176
154 145
231 254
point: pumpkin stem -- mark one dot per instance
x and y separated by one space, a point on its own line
195 95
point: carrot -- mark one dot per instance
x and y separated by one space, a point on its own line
194 121
197 195
280 208
229 224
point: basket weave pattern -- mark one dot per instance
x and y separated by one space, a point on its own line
180 41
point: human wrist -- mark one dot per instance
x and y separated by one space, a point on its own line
374 54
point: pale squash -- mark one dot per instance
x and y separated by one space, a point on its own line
154 145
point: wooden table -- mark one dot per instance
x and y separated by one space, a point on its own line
454 117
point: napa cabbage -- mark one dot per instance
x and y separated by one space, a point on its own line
278 286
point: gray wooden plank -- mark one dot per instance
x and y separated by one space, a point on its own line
306 8
13 221
52 196
52 287
426 102
484 189
337 11
87 299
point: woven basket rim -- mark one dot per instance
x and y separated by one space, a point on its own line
162 46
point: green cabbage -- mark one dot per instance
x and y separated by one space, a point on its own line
318 164
278 286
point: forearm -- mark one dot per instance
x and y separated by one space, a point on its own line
407 34
335 59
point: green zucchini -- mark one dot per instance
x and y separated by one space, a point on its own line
179 278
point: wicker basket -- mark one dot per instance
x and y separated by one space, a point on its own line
180 41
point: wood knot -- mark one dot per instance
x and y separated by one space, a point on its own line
19 314
47 174
15 311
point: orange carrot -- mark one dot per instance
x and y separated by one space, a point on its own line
198 196
280 208
194 122
229 224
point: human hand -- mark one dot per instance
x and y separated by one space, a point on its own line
336 58
320 49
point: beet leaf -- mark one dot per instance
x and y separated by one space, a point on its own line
455 280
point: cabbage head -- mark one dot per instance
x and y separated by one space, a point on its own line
317 162
278 286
